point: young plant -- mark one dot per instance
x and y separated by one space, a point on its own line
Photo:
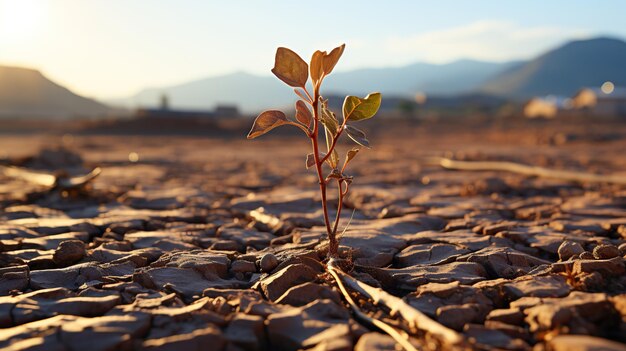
311 112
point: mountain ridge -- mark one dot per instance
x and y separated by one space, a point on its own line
44 98
452 78
563 70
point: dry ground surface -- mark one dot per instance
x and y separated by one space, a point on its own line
217 243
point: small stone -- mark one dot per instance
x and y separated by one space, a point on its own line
603 252
569 249
268 262
69 252
586 255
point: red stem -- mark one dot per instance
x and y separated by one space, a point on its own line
332 251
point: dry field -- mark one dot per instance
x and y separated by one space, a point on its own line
217 243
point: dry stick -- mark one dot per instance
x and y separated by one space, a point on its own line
415 318
378 323
528 170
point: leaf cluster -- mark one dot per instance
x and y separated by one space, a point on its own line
295 72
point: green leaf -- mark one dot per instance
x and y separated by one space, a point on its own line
303 114
290 68
331 59
357 135
267 121
357 109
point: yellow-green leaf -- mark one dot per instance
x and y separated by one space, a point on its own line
317 66
290 68
303 114
267 121
332 58
357 109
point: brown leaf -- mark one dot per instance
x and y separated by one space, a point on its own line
317 66
331 59
350 155
303 114
310 159
335 174
290 68
267 121
357 135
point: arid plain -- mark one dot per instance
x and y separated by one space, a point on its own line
184 241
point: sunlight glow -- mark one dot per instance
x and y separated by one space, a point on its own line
19 19
607 87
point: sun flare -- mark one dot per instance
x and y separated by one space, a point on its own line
19 19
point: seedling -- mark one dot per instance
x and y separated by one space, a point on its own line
311 111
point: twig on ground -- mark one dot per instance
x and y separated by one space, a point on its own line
527 170
396 335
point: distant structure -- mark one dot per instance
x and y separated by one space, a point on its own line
165 102
165 112
547 107
606 101
227 111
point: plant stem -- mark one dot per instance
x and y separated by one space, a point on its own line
339 205
333 246
334 143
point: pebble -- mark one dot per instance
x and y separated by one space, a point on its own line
569 249
602 252
69 252
268 262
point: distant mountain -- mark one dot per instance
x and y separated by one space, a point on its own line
562 71
28 93
253 93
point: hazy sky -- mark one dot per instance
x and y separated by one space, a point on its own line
113 48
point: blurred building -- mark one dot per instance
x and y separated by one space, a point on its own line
605 101
547 107
164 111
